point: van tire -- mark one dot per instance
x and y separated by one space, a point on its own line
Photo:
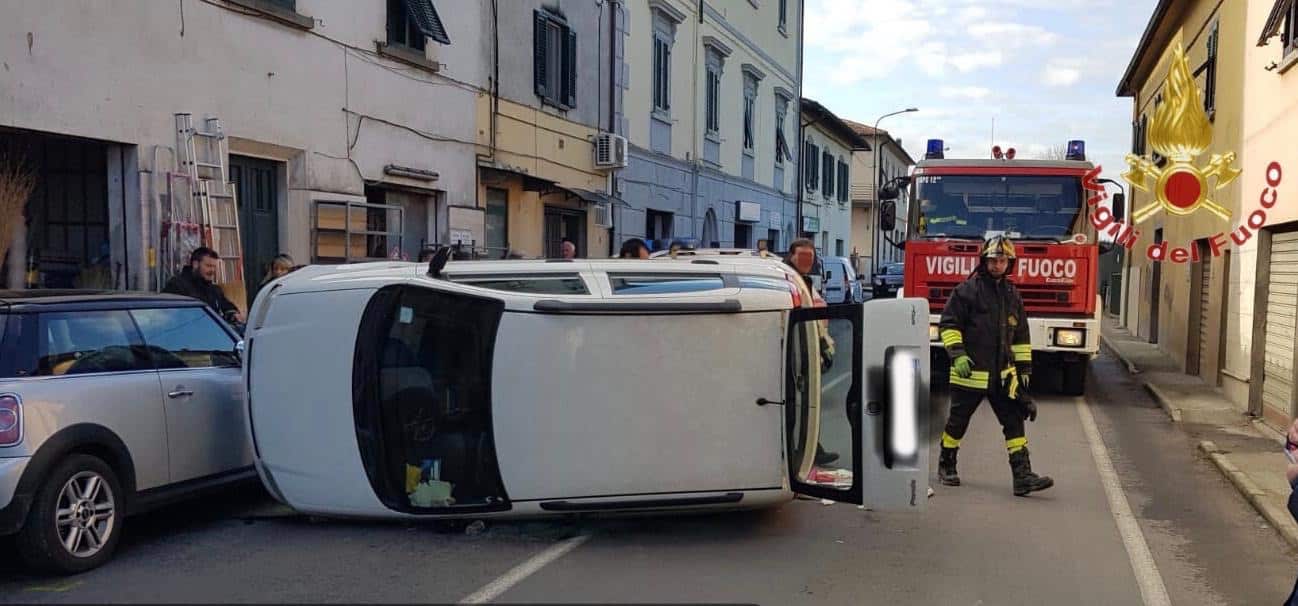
39 544
1074 378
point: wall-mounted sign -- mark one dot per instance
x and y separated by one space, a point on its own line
748 211
774 221
811 224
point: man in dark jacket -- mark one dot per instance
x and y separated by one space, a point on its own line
196 281
985 332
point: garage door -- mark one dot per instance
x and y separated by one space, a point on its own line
1281 304
1205 295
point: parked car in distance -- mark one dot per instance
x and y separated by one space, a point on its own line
842 285
888 281
110 403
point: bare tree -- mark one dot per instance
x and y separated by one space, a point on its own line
1054 152
16 184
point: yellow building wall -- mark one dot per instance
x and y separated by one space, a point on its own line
1270 129
539 143
1174 291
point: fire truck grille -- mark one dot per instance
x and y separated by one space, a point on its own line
1035 297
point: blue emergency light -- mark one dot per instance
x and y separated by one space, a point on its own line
935 147
1076 150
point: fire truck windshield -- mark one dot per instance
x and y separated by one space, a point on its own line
975 206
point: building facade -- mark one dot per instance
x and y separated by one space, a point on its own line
1228 316
349 128
827 147
537 130
886 160
709 104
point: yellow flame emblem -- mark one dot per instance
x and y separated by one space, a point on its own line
1180 132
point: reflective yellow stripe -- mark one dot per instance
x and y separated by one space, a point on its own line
977 380
1016 444
1022 352
949 442
951 336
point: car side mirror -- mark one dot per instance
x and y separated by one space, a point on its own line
888 215
1119 205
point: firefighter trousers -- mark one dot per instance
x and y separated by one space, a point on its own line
963 404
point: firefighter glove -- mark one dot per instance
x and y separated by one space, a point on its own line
1029 407
963 366
826 356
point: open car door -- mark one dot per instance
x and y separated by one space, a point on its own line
857 404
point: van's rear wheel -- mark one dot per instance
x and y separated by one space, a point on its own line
1074 377
75 520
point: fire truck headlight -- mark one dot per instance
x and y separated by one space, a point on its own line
1070 337
932 332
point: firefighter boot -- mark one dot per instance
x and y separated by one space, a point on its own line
946 472
1024 480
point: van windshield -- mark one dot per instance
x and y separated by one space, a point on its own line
1022 206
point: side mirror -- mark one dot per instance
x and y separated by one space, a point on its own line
888 215
1119 204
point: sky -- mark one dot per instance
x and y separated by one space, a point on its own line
1043 72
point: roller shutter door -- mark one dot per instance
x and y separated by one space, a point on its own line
1281 308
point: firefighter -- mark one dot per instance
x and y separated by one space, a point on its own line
986 336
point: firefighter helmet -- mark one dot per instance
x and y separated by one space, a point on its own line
998 246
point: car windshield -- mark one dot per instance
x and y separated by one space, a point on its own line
976 206
896 269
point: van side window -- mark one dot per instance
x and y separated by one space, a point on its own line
185 337
660 284
763 283
557 284
422 400
82 342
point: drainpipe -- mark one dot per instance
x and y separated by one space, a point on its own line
798 179
614 34
694 139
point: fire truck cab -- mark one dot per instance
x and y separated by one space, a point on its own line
1041 205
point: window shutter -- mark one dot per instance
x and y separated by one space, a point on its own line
570 68
538 52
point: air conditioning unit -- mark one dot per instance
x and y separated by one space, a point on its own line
610 151
603 212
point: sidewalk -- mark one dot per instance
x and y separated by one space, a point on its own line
1246 450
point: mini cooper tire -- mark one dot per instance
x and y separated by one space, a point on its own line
81 503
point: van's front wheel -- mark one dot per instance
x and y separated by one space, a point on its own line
75 521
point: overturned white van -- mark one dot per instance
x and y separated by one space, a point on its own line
517 388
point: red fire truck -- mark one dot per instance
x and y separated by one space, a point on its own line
1042 206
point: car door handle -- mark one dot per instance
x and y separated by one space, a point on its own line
180 392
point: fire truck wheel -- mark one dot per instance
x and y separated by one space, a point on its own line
1075 378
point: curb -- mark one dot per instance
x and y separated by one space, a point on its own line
1279 518
1164 402
1108 343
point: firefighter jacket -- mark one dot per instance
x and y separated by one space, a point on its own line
984 320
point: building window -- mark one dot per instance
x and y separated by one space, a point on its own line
811 170
827 161
1291 29
842 181
784 16
410 21
714 97
1209 69
781 144
554 59
662 73
750 111
838 248
496 220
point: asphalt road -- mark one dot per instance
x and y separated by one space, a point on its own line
977 544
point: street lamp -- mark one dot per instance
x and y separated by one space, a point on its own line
874 229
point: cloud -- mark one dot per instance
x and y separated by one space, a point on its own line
965 92
1063 72
1012 35
971 61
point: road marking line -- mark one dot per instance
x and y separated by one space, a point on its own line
516 575
1152 590
832 384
